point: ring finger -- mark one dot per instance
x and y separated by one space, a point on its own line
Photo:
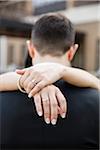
38 104
32 83
46 105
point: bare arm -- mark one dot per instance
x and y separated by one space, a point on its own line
81 78
8 81
74 76
47 73
77 77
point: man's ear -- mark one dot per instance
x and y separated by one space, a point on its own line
31 49
71 52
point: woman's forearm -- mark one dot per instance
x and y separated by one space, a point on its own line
81 78
8 81
77 77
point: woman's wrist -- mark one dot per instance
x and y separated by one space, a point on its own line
20 86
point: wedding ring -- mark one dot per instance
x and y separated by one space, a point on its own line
34 82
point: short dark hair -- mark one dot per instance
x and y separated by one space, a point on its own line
53 34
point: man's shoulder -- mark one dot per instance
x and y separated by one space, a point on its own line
74 90
79 95
16 100
16 94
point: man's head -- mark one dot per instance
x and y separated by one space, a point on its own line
53 35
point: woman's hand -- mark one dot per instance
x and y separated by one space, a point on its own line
34 79
40 76
50 102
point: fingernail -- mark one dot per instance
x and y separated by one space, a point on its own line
53 121
63 115
29 95
47 120
40 113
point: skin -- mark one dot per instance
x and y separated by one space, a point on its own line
38 79
8 82
48 100
51 112
53 102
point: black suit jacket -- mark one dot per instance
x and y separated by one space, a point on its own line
22 128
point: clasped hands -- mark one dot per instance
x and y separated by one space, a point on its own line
38 83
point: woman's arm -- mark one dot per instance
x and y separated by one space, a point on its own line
81 78
47 73
77 77
8 81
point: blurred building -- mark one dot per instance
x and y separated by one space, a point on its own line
84 14
86 17
13 33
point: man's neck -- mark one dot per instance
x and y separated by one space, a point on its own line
48 58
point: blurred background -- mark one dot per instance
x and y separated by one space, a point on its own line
17 18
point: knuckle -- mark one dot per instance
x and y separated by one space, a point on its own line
50 88
63 101
54 104
54 115
46 115
46 111
46 104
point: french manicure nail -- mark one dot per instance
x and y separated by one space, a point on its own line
53 121
40 113
47 120
63 115
30 95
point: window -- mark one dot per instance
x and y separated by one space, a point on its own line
42 7
82 3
